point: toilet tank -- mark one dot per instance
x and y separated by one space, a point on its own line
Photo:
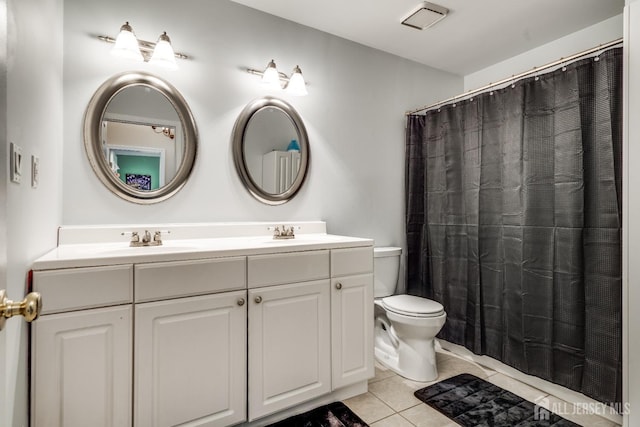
386 266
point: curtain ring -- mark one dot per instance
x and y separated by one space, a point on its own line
564 66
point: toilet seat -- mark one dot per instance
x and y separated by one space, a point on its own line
410 305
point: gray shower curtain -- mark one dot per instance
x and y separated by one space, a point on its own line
513 221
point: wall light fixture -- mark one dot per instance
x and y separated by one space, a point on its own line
127 45
274 79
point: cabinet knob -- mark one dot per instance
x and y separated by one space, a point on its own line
241 301
258 300
338 285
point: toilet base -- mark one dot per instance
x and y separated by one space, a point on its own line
407 362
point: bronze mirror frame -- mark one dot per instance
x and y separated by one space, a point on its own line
237 141
94 116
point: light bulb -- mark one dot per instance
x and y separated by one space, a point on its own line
271 77
296 85
163 54
126 45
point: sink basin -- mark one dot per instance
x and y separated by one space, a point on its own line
301 239
126 250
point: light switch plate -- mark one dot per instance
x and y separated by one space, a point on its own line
15 165
35 171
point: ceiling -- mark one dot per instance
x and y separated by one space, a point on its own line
475 34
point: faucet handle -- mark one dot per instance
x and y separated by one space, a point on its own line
135 237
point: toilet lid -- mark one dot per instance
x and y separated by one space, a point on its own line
410 305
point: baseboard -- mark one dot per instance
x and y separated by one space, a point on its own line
548 387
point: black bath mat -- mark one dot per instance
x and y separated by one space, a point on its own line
471 401
335 414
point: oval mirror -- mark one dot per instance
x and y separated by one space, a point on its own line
140 137
270 150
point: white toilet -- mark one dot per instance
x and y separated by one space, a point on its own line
405 325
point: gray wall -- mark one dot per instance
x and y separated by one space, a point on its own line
33 113
353 113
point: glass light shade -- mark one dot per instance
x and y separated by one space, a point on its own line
163 55
271 77
296 85
126 45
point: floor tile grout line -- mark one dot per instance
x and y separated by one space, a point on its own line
489 374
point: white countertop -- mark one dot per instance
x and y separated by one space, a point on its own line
113 253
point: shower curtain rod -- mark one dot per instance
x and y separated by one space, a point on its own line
516 77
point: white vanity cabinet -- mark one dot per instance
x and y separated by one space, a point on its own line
81 355
215 333
190 352
351 315
289 330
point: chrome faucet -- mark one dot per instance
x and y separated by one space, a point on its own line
146 240
285 233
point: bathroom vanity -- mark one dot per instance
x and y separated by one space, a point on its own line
220 325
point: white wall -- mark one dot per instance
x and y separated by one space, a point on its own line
4 166
353 113
631 198
34 121
602 32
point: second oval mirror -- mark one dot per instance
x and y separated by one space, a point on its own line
271 150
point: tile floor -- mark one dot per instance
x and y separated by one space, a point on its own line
390 401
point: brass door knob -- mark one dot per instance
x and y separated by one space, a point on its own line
29 307
258 299
240 302
338 285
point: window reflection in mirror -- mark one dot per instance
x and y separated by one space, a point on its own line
271 150
142 140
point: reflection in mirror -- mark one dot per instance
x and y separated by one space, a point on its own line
140 137
271 150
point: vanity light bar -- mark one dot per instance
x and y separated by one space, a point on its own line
145 46
294 84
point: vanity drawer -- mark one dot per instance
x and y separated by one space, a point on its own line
186 278
265 270
79 288
345 262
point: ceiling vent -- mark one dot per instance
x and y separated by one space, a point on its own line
427 15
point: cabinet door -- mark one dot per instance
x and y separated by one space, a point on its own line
190 361
289 345
81 368
351 329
